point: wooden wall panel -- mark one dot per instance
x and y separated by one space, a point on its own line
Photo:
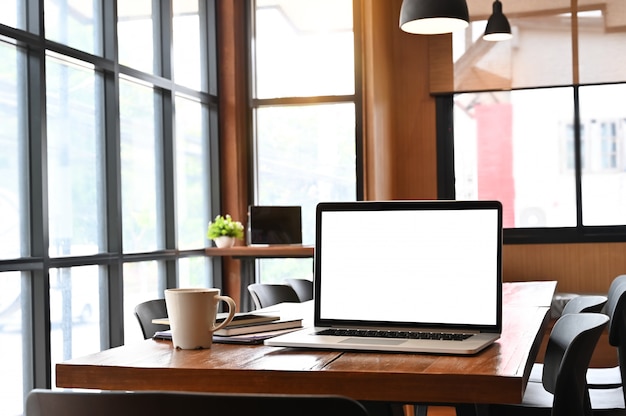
399 113
579 268
234 147
378 99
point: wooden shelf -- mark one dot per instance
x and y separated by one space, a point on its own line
277 251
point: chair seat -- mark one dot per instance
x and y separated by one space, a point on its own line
598 378
607 402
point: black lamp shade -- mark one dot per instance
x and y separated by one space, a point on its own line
498 27
431 17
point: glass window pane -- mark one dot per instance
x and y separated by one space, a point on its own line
540 53
603 126
141 190
74 159
513 147
76 23
192 174
142 281
304 48
74 312
15 333
277 270
306 154
135 35
13 14
601 40
14 241
194 272
188 56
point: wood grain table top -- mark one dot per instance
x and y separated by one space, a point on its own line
497 374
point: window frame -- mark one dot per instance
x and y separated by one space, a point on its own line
35 267
537 235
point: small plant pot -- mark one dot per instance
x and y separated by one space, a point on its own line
224 241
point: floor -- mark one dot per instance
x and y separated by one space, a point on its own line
441 411
432 411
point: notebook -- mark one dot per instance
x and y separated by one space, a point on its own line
405 276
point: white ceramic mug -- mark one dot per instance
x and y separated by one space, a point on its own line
191 313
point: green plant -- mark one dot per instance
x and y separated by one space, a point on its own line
224 226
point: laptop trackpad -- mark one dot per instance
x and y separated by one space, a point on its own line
372 341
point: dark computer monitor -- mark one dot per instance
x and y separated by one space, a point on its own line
274 225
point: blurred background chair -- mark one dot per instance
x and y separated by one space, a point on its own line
579 304
265 294
615 308
563 388
41 402
145 312
303 288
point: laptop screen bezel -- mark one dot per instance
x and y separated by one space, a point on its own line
405 205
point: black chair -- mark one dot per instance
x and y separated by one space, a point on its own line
579 304
147 311
264 294
563 390
122 403
615 308
303 288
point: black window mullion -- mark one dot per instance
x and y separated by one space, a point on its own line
167 154
111 281
445 147
39 236
208 46
578 165
168 158
162 21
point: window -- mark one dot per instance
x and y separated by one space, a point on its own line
535 137
107 173
305 108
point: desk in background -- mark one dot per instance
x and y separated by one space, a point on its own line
248 254
497 374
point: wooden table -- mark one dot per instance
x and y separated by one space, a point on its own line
497 374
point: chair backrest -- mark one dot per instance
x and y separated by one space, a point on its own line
615 308
303 288
119 403
585 303
147 311
568 353
264 294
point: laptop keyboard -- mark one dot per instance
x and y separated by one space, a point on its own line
394 334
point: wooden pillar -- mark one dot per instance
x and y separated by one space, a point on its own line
234 125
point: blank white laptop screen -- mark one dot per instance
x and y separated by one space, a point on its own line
430 266
405 276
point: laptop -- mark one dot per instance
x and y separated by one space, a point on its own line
273 225
405 276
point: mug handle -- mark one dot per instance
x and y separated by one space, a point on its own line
231 312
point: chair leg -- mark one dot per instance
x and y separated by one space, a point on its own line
421 410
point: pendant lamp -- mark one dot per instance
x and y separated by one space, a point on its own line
498 27
432 17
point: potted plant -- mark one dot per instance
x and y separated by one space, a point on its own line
224 231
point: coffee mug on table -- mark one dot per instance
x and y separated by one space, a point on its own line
191 314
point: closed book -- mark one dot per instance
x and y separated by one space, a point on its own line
242 318
260 327
246 318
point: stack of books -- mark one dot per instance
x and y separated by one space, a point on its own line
245 328
252 323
